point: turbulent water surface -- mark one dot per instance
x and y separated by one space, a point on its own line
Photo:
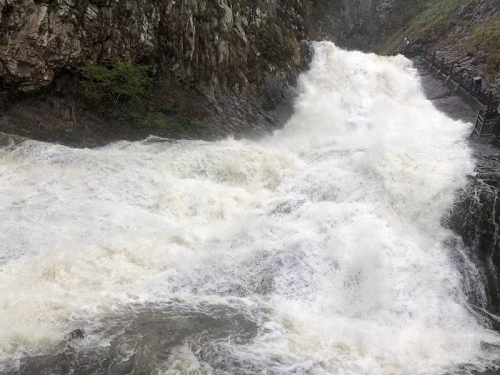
318 250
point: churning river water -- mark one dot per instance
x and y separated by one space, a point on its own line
317 250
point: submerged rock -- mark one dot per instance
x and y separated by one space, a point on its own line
146 339
76 334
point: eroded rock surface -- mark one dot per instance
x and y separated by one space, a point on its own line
238 46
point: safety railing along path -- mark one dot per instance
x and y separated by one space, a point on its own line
488 120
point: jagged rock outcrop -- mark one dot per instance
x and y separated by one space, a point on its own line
360 24
40 38
217 44
476 218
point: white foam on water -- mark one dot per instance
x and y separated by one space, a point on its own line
332 225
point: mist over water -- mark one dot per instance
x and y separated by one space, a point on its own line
320 248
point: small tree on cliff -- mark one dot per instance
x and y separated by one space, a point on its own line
121 90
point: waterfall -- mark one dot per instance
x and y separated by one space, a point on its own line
317 250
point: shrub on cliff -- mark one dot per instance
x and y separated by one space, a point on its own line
121 90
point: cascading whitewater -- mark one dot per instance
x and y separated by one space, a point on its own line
324 239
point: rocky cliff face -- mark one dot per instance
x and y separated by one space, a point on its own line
360 24
464 31
476 218
40 38
201 39
250 48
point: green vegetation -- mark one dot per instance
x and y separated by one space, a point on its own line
126 91
496 326
180 125
121 90
442 24
432 23
485 37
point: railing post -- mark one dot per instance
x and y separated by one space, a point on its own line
481 124
451 70
476 126
442 64
433 58
461 76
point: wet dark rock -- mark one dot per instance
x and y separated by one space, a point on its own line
360 24
287 207
307 54
142 340
476 213
76 334
475 216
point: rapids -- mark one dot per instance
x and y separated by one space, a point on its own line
317 250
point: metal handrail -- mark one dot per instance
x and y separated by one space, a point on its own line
462 78
488 120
